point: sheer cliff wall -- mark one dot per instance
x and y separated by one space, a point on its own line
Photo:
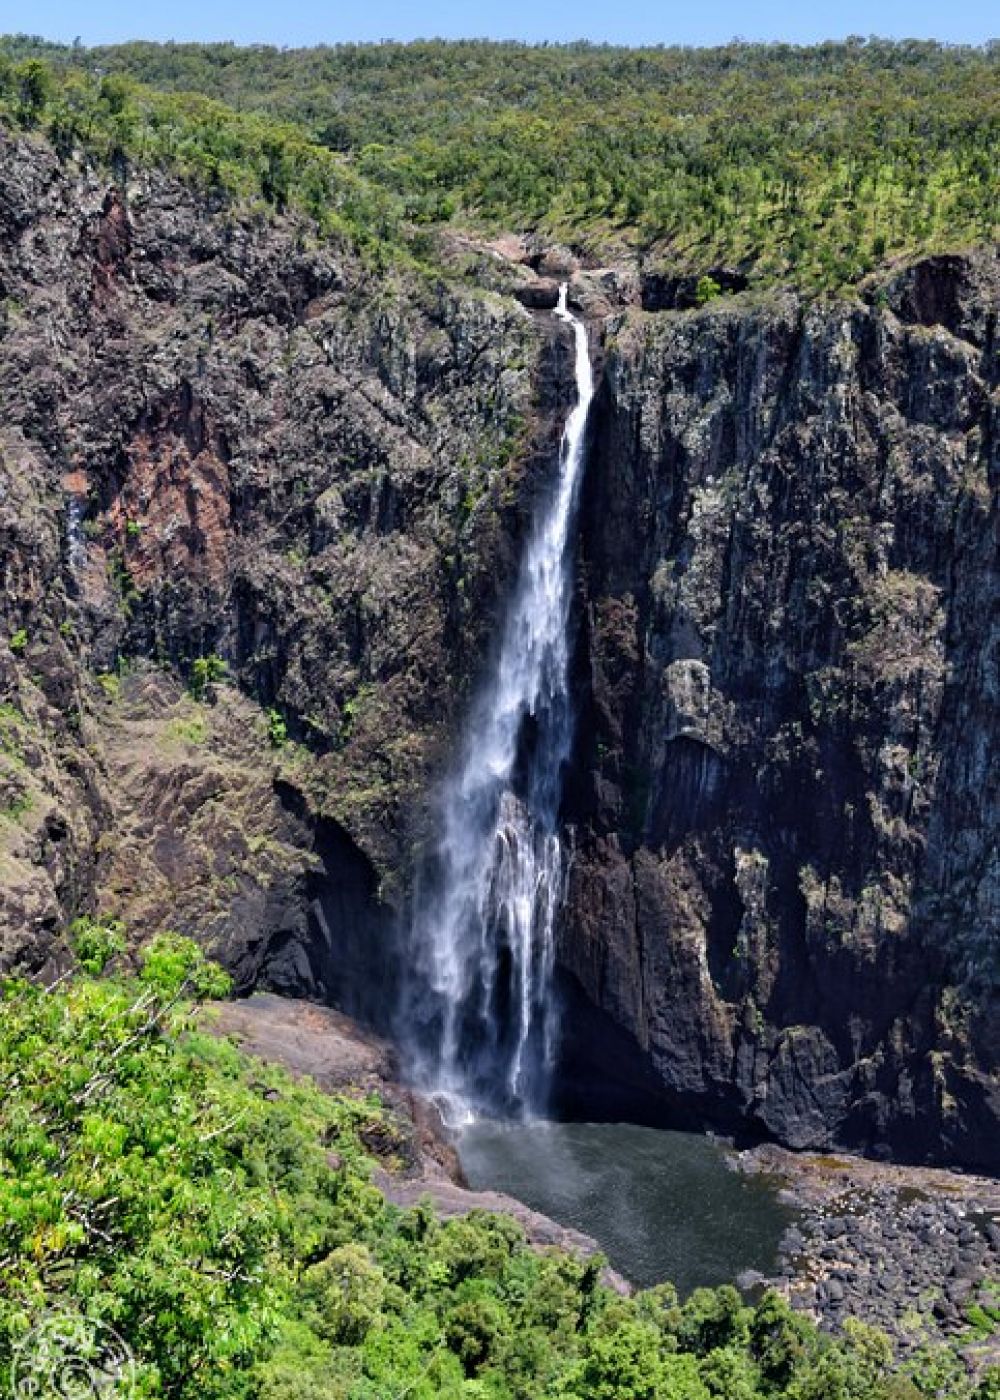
222 439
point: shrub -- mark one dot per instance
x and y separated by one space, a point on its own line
707 290
277 728
174 967
96 941
153 1176
206 671
473 1330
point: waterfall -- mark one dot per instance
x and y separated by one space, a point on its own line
479 1019
76 548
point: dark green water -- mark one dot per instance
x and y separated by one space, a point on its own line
662 1205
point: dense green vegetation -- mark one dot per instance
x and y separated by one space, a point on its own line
219 1216
802 164
242 156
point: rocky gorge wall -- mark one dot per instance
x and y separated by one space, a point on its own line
221 438
224 439
786 882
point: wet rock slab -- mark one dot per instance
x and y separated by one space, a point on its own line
342 1057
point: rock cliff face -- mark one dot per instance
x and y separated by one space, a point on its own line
222 440
786 882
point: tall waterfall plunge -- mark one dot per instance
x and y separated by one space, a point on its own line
479 1018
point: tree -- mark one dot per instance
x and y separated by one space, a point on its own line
35 85
779 1340
344 1294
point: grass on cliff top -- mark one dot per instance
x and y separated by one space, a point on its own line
802 165
219 1217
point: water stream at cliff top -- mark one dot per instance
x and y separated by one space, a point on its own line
479 1017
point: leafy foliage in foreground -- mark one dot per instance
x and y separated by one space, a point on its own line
802 164
220 1217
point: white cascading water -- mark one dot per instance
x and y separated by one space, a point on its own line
479 1017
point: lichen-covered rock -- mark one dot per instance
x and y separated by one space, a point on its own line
786 882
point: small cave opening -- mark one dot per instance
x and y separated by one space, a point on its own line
344 956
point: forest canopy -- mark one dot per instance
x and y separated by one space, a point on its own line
221 1218
806 165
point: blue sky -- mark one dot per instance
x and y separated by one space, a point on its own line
618 21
